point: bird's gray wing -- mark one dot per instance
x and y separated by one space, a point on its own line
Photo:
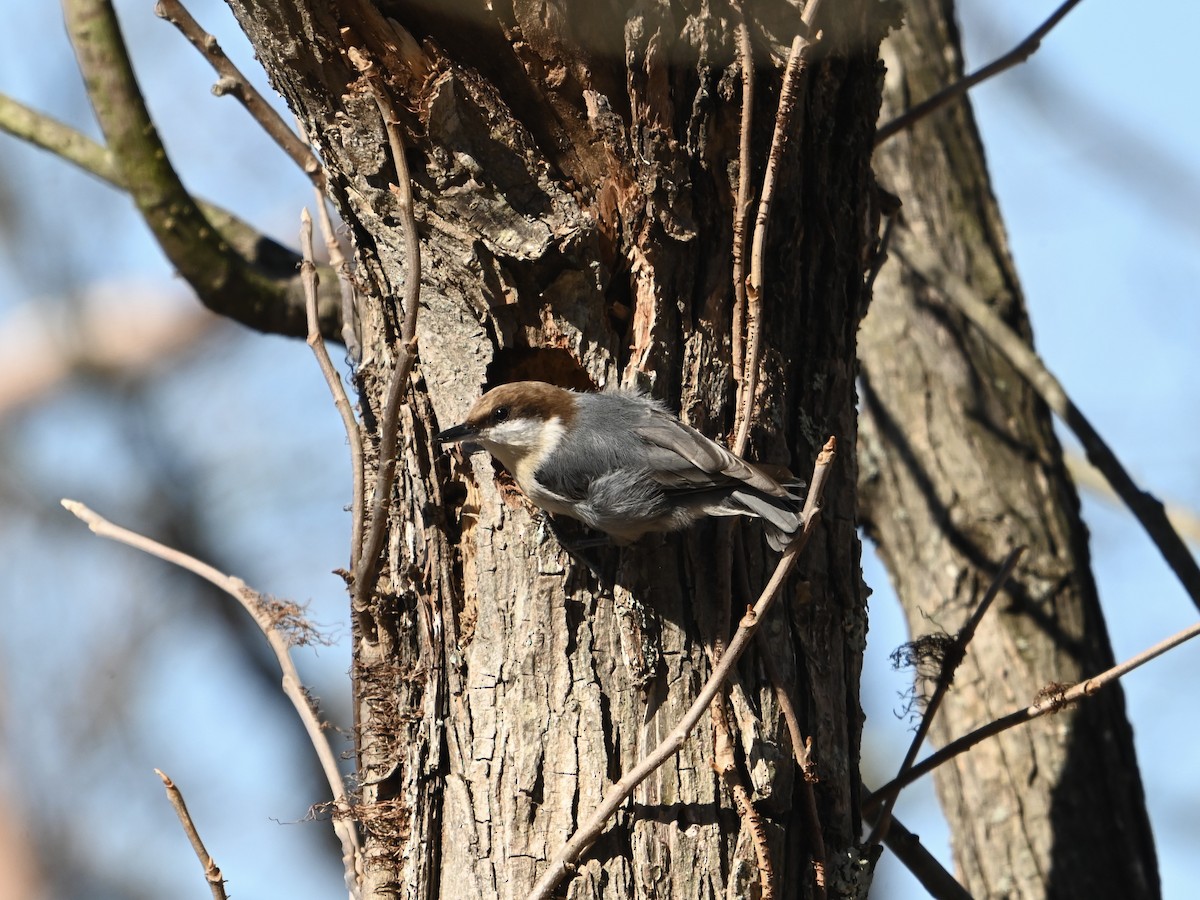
681 458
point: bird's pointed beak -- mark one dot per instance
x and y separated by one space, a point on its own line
456 434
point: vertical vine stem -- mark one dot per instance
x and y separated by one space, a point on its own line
376 530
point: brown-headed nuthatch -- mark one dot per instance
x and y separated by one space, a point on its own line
619 462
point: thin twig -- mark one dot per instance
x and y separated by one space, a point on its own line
233 82
953 656
1146 508
345 277
783 118
272 621
212 874
1018 54
271 259
308 273
339 264
1054 698
224 280
618 793
364 574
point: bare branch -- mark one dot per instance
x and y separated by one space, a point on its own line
212 874
1146 508
1182 518
951 660
308 272
235 83
1017 55
364 574
273 620
345 278
1054 699
60 139
224 281
268 258
587 833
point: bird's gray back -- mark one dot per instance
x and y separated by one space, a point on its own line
603 440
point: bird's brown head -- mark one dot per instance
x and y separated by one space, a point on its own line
518 423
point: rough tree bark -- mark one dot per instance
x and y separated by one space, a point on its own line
575 167
959 465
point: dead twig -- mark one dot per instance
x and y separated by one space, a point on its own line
1017 55
212 874
953 656
224 278
308 273
1146 508
273 620
1053 699
618 793
364 574
234 83
337 261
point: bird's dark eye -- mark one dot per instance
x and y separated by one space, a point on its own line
500 414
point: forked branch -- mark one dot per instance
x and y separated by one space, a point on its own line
953 656
274 620
1054 698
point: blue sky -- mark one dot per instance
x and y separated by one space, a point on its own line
1089 146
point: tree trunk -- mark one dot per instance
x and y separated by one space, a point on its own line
960 465
575 168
